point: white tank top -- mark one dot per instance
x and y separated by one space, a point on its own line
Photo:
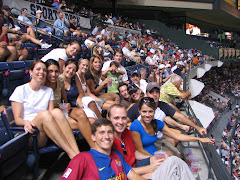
84 85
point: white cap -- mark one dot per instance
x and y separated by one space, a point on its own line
38 11
168 65
161 66
152 51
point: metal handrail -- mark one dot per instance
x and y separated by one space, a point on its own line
36 24
213 160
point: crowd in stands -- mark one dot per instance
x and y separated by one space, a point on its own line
220 81
90 86
230 144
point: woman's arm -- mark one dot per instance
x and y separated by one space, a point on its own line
182 137
80 92
138 143
17 109
91 86
64 95
92 95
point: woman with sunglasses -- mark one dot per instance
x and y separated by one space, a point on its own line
33 106
144 132
78 118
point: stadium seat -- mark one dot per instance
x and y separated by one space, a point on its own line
13 151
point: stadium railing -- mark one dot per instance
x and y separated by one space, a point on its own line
216 169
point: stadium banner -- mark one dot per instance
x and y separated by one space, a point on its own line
237 53
220 53
229 52
49 13
225 53
233 52
122 30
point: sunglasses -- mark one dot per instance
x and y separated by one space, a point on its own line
147 100
123 148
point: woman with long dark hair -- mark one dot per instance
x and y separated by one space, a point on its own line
33 106
144 132
78 118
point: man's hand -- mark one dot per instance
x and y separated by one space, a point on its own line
202 130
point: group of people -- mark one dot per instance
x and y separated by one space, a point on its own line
56 78
230 144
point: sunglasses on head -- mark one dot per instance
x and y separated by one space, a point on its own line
147 99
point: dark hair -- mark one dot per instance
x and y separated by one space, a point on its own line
115 106
150 103
34 64
118 51
71 61
72 42
1 12
50 62
99 123
122 84
114 63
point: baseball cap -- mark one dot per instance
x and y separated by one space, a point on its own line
132 88
152 85
161 66
38 11
136 72
7 8
149 53
168 65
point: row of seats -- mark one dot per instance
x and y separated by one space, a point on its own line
13 74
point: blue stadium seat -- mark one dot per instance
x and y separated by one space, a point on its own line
13 151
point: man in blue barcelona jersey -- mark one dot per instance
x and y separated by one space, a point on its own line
101 162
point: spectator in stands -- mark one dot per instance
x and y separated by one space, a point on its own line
75 93
113 74
40 24
153 91
58 5
145 130
96 29
126 100
102 103
118 57
7 18
148 167
168 70
128 54
135 93
143 73
33 106
149 59
61 25
101 162
61 55
96 84
7 52
90 41
135 78
171 89
105 33
75 30
25 23
78 118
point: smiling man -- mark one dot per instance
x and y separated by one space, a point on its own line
148 167
101 162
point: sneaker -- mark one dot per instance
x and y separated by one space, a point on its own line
46 46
